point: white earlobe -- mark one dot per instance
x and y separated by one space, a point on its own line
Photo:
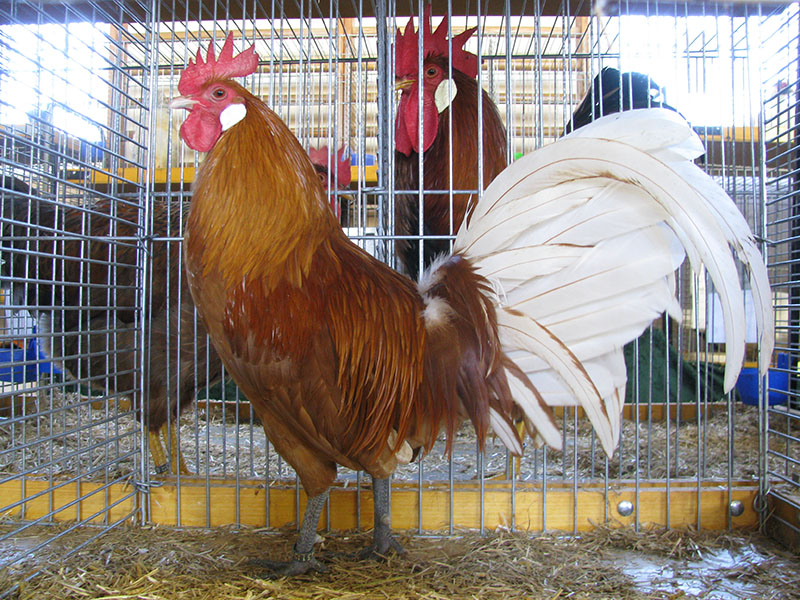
232 115
444 94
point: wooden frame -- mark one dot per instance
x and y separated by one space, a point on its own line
84 10
283 499
783 520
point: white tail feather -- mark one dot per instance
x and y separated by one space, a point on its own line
529 403
664 135
520 332
504 431
583 238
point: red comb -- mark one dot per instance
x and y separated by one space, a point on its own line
320 157
434 44
198 73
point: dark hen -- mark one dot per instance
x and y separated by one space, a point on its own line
76 269
612 92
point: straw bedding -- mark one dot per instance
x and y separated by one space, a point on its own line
161 563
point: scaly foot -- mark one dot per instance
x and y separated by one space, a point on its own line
157 452
176 458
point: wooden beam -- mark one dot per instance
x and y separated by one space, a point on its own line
104 11
66 501
161 176
783 522
531 503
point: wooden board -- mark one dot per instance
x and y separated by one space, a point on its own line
533 507
21 399
32 499
783 522
176 175
658 411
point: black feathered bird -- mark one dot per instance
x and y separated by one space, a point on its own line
612 91
81 260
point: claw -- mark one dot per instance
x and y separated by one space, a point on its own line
290 568
380 550
303 560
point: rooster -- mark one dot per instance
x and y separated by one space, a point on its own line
337 179
569 254
443 98
92 331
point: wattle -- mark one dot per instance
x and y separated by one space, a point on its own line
201 130
407 129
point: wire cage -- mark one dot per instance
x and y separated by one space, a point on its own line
100 343
75 109
781 482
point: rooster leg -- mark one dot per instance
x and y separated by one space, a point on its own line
176 458
303 559
157 452
382 540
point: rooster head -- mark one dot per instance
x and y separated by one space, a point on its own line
319 158
214 103
437 89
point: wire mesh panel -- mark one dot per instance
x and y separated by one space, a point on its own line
74 140
319 76
689 454
781 443
109 311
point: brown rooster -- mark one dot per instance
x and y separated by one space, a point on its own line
442 98
569 254
91 285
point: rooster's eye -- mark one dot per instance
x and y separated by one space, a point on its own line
431 72
218 93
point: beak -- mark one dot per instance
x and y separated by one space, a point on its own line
404 84
182 102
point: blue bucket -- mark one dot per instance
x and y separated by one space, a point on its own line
21 366
747 384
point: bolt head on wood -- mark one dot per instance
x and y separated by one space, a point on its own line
625 508
736 508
